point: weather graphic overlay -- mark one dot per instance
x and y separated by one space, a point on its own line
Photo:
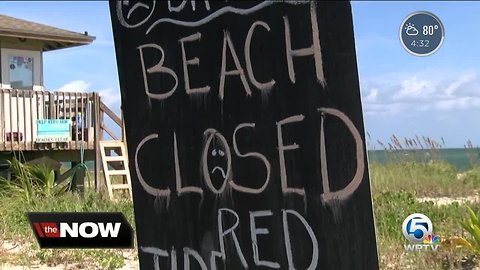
422 33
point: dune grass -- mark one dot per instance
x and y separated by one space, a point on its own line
431 179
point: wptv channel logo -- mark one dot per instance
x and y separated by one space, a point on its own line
418 230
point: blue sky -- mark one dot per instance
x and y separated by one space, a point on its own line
436 96
406 95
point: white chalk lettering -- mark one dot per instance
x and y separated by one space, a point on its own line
288 245
178 178
357 178
254 231
323 156
250 154
227 41
158 68
121 16
210 134
156 252
178 8
221 234
214 15
181 6
281 153
193 61
187 253
262 86
223 165
207 5
314 50
149 189
173 261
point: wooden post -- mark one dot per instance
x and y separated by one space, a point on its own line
51 105
33 99
97 138
74 184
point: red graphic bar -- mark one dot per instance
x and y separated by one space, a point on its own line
39 229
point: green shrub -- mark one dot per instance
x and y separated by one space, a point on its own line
30 181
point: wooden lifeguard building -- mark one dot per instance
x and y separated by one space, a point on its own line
61 126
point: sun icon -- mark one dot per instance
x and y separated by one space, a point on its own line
409 26
410 29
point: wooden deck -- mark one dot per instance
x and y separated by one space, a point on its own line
21 109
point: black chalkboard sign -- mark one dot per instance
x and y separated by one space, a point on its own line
245 134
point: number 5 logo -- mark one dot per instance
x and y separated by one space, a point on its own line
416 227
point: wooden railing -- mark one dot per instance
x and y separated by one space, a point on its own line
116 119
20 110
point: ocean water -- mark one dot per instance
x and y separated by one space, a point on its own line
463 159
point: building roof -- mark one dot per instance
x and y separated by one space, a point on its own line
51 38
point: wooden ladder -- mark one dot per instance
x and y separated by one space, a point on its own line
115 165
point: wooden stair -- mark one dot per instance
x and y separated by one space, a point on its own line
115 163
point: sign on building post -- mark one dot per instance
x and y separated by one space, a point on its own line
53 130
245 134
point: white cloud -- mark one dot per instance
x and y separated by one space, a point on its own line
74 86
425 92
414 88
458 103
372 96
384 109
466 78
109 96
